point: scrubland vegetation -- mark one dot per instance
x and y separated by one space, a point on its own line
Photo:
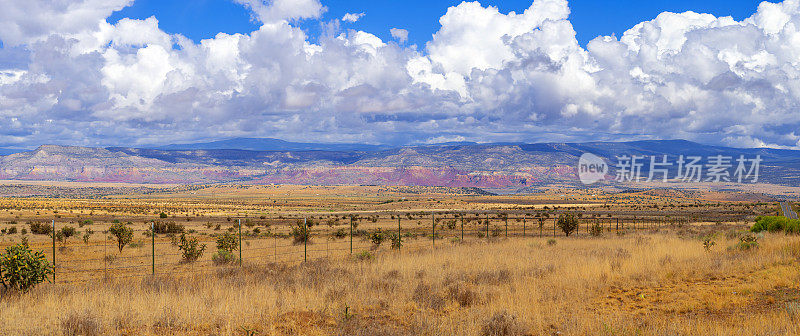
722 269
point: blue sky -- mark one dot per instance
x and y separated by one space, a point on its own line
74 72
201 19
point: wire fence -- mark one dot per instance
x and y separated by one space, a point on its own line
281 240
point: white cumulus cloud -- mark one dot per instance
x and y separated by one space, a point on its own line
68 76
400 34
352 17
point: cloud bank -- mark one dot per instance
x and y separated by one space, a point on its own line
68 76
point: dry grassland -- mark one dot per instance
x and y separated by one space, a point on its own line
657 283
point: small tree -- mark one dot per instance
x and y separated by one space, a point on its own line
190 248
568 223
22 269
122 233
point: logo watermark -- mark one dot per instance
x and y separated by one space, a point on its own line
690 168
591 168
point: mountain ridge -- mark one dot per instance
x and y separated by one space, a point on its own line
497 165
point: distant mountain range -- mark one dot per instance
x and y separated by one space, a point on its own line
504 165
267 144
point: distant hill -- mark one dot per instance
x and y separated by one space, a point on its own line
267 144
502 165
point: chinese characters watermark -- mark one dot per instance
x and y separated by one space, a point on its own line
642 168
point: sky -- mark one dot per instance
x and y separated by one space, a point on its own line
145 72
204 19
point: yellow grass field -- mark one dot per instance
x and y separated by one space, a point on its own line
652 276
648 283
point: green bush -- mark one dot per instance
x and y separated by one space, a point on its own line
190 248
568 223
41 228
22 269
167 228
776 224
227 242
301 232
223 257
122 233
377 237
364 255
747 242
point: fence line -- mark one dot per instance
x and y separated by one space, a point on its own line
454 227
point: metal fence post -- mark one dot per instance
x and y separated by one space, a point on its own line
487 227
462 228
506 221
523 226
240 242
53 223
305 241
352 221
153 235
554 227
399 235
433 219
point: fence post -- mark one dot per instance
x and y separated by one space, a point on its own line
487 227
240 242
554 227
305 241
352 220
54 250
523 226
506 221
433 219
153 235
462 227
399 235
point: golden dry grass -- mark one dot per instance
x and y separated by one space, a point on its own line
654 284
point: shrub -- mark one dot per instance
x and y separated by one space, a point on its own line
503 324
227 242
223 257
167 228
377 237
568 223
551 242
747 242
776 224
396 241
162 215
22 269
41 228
86 235
301 233
122 233
340 233
190 248
64 234
708 243
364 255
12 230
